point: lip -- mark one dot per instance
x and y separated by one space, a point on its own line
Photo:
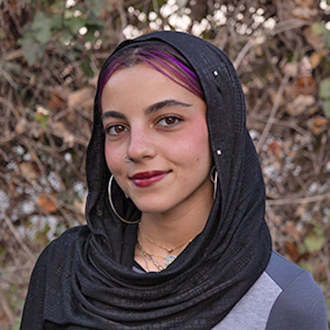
148 178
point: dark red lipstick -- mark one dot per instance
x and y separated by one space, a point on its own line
146 179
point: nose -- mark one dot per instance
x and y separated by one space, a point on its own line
141 145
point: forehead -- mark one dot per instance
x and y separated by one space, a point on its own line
141 82
142 90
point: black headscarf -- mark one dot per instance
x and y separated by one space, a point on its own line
87 273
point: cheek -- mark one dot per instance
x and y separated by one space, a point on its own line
112 158
193 145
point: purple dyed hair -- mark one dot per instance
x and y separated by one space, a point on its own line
162 58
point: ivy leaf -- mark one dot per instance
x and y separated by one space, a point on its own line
66 37
325 88
314 241
94 20
42 27
56 21
326 108
74 24
318 28
327 38
98 6
86 67
32 50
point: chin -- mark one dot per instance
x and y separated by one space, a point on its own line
152 205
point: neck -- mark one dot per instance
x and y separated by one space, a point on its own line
168 233
174 229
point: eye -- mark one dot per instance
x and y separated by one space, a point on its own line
115 129
169 121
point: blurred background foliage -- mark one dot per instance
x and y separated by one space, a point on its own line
50 54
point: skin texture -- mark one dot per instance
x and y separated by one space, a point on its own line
162 128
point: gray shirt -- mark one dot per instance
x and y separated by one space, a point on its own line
285 297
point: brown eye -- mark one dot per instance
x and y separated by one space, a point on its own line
115 129
169 121
119 129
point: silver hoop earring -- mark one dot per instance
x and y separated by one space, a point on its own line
113 207
214 179
127 159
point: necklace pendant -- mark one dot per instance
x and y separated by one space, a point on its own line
169 260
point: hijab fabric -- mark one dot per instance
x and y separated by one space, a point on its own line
89 281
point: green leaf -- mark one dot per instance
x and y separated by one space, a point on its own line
326 108
40 19
306 265
327 302
86 67
66 37
90 35
318 28
314 241
325 88
32 50
56 21
98 6
68 14
41 27
58 5
44 35
74 23
94 21
327 38
42 120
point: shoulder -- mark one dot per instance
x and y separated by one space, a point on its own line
300 303
60 248
50 262
284 297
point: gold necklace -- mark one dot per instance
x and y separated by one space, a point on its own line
171 257
150 256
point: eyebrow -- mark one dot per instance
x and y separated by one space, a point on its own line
163 104
112 114
152 108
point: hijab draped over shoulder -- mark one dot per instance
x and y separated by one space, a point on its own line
84 279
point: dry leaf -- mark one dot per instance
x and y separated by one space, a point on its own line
290 68
55 102
304 13
320 121
306 3
316 41
316 59
81 97
318 124
28 170
305 84
21 126
275 148
300 104
292 250
45 203
59 130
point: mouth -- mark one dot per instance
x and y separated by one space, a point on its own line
146 179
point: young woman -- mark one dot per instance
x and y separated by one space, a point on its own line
175 235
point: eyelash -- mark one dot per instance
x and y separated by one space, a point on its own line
176 120
108 129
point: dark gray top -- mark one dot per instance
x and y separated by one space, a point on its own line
284 297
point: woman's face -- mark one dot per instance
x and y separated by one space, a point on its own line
162 128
